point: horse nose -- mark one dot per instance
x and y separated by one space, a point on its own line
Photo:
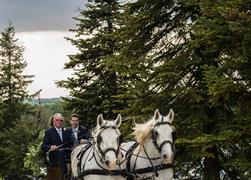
165 156
168 159
107 162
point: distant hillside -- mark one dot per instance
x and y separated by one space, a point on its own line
44 100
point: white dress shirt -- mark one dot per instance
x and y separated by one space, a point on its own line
60 133
75 132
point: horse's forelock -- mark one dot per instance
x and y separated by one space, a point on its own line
142 131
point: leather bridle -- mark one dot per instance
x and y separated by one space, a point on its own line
99 140
154 136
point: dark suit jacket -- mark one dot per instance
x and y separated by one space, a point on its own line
83 133
52 137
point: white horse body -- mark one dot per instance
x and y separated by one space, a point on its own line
106 140
165 174
147 149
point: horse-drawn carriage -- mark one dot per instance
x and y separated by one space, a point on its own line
108 157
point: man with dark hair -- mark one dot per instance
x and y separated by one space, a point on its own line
78 133
56 140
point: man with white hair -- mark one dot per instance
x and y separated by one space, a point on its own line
55 141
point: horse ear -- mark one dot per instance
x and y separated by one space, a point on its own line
100 120
156 114
118 120
170 115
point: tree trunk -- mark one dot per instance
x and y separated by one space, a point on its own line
211 165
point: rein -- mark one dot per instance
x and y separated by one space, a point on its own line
59 147
131 154
135 173
82 172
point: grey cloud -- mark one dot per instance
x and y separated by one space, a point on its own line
40 15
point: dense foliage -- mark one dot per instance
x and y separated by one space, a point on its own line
93 86
193 56
18 130
134 57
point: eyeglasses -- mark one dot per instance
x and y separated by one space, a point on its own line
59 120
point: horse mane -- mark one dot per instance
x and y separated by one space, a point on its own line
94 131
142 131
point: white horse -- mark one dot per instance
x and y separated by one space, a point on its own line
151 157
99 160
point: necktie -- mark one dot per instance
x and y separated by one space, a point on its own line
60 134
75 132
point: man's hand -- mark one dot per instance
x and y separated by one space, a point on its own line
53 148
82 141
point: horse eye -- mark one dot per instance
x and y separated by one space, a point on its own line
99 139
156 133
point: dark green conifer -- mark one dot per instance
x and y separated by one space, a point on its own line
93 85
193 56
17 131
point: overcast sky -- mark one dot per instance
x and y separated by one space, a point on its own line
41 26
40 15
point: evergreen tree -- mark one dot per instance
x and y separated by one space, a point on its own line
17 130
94 85
13 83
14 147
193 56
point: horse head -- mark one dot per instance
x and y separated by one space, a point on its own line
164 135
108 139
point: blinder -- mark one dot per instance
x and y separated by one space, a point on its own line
174 135
120 139
99 139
